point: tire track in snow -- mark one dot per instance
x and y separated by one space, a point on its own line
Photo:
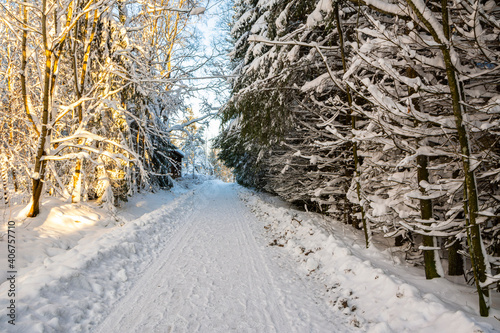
136 299
303 298
215 277
275 310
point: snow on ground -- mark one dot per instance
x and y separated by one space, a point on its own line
366 285
200 259
74 261
216 275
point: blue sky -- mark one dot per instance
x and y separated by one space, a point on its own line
210 26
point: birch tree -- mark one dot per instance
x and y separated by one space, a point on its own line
97 90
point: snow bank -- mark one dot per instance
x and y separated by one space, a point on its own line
377 295
76 261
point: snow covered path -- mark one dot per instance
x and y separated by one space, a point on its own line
199 258
215 276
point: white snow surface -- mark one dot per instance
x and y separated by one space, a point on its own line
215 257
197 11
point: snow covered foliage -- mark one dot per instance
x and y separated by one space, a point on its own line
193 145
378 114
87 96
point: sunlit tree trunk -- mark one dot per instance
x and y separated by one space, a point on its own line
24 61
12 121
80 88
4 177
39 169
49 83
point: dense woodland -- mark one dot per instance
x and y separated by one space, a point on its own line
383 114
92 97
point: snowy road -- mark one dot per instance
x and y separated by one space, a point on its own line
216 275
198 258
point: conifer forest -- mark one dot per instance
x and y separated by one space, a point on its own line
383 114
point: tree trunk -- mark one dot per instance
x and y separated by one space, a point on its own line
432 261
24 61
480 266
478 256
77 182
39 169
5 179
455 260
10 86
357 173
431 257
80 88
